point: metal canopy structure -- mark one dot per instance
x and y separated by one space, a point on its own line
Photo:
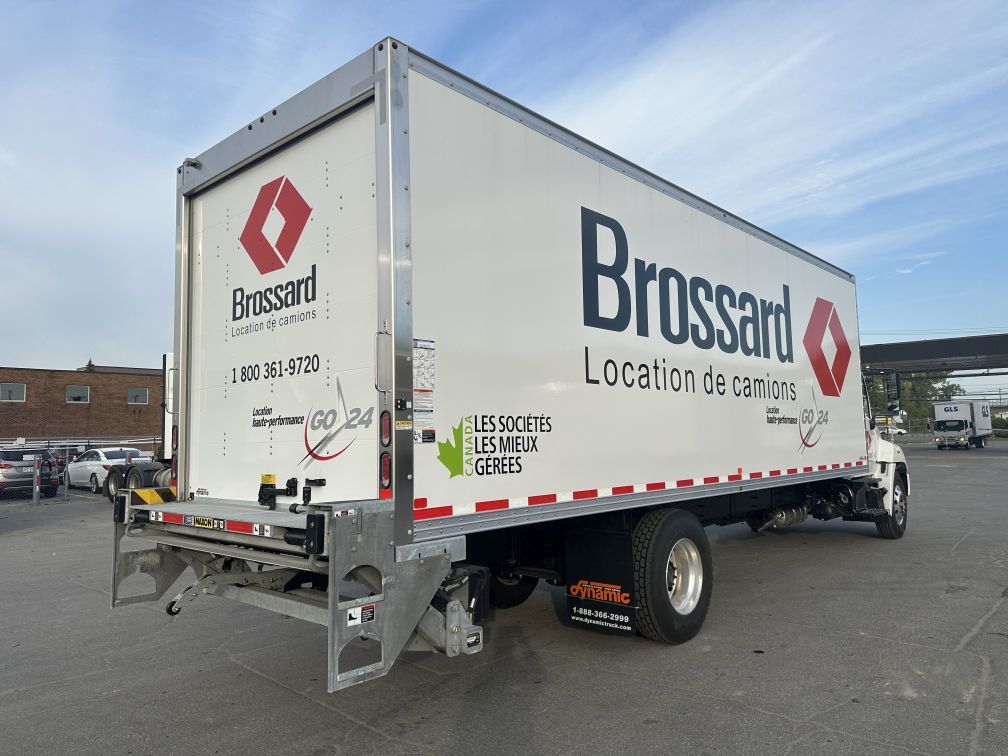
962 353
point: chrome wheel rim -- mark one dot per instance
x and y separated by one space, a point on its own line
899 504
684 576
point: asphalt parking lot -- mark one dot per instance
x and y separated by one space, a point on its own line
822 639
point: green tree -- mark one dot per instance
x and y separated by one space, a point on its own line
918 392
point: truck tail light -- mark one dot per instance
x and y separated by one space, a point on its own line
5 466
174 467
174 437
386 469
386 428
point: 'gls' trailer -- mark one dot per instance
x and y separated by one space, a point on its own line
432 348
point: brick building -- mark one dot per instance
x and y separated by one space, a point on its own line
93 402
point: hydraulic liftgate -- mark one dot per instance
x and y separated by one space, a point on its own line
295 564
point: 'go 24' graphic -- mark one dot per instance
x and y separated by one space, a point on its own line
339 428
812 422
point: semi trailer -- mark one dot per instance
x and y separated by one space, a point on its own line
432 348
962 424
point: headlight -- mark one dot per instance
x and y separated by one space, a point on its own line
961 439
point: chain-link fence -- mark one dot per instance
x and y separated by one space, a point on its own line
47 470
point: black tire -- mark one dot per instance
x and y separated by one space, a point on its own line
506 593
655 538
981 443
113 482
49 491
95 488
894 526
134 478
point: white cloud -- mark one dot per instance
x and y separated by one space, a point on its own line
788 112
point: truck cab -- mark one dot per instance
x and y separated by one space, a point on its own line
952 433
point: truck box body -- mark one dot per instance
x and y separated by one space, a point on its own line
563 372
583 333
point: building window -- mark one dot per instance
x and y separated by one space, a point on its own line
12 392
78 394
135 395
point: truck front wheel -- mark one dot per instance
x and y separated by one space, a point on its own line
894 525
672 575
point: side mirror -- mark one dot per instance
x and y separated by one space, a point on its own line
892 390
900 416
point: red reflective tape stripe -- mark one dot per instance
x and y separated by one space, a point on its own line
655 486
489 506
588 493
822 467
385 493
755 475
775 473
735 477
542 499
620 490
847 464
807 469
792 470
684 483
426 514
712 479
420 503
238 527
859 462
172 517
836 465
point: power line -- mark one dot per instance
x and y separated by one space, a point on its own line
927 331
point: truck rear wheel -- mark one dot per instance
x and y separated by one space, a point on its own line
134 478
672 575
894 525
506 593
113 481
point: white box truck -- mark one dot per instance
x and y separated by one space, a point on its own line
962 424
432 348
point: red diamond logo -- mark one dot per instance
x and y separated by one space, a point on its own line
831 377
280 194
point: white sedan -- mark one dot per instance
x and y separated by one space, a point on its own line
90 468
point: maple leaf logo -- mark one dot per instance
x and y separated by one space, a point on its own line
450 454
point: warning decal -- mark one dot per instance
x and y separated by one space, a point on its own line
423 391
360 614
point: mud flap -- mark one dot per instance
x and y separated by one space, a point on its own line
600 581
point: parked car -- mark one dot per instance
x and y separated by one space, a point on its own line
90 468
17 471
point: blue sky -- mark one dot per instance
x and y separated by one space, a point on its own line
873 134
